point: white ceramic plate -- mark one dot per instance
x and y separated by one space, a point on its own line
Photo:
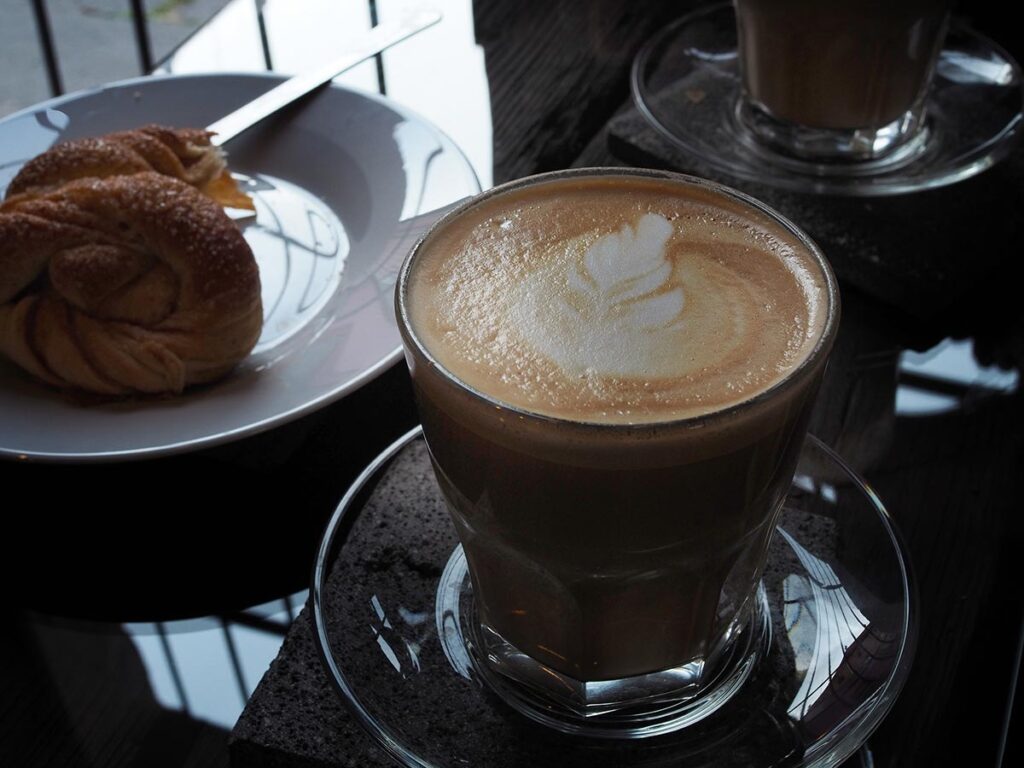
336 181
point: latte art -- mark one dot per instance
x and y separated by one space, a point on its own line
667 306
612 312
629 266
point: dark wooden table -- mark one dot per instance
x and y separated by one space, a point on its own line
217 532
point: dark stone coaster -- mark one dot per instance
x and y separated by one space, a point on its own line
921 252
295 717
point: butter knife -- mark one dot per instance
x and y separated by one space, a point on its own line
379 38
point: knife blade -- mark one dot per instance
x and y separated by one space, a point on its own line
379 38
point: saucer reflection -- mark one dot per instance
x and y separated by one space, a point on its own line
842 657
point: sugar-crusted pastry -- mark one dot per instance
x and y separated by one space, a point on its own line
125 284
181 153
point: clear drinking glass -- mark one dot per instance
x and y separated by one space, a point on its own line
615 567
838 81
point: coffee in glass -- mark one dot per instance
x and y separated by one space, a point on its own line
614 370
842 80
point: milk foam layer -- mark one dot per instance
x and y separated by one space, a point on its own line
616 299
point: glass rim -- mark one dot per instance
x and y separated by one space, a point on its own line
822 345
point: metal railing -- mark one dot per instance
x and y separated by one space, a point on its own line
140 27
143 41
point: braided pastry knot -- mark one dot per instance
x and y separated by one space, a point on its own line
135 283
181 153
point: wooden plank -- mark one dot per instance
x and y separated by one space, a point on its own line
557 72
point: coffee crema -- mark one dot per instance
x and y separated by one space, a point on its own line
617 300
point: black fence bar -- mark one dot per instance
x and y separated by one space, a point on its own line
264 39
939 386
46 43
142 37
379 58
172 665
256 622
236 662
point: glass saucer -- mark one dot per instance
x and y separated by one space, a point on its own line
840 601
685 82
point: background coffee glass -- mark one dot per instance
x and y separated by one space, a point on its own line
838 81
615 566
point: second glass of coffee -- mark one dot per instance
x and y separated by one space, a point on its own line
614 371
841 81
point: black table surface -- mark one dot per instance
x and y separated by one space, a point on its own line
111 566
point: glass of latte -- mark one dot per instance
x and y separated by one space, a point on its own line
614 369
838 81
